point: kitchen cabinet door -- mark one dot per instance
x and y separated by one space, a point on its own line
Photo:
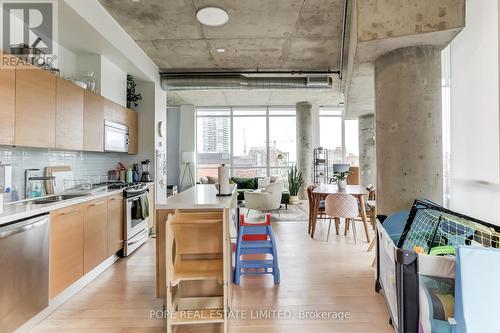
115 224
8 107
133 132
35 108
66 248
95 234
115 112
93 122
69 115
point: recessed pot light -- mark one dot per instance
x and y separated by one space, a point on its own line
212 16
221 50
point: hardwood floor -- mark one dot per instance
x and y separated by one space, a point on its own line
315 275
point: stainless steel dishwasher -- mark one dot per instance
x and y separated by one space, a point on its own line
24 271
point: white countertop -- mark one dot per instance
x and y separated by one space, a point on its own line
18 211
199 197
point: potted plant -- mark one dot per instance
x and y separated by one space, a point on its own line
295 183
341 177
132 96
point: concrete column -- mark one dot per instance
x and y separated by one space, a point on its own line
304 143
408 127
367 153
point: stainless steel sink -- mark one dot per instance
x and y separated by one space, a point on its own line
55 198
49 199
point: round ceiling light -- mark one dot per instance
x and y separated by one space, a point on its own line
212 16
221 50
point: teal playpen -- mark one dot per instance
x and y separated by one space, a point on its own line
416 259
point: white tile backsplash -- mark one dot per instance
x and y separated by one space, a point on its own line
82 163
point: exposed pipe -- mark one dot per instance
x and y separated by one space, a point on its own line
342 47
178 82
300 72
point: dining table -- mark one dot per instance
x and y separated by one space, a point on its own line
323 190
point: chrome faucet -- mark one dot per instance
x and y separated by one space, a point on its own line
31 175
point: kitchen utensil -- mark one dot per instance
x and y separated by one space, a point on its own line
26 52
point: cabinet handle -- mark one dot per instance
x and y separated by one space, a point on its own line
116 198
70 212
97 204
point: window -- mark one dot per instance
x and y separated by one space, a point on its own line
339 136
213 141
253 141
331 133
352 142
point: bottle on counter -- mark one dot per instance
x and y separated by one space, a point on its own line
129 176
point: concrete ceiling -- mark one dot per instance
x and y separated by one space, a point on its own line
260 34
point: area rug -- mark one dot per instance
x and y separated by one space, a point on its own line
299 213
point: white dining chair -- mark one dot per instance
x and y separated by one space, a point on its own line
345 206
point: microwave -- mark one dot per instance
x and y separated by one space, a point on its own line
115 137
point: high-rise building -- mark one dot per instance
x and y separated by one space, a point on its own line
215 134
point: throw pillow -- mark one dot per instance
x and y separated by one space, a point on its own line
213 180
263 182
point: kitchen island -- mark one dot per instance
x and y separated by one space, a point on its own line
193 255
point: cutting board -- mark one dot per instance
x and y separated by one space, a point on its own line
61 173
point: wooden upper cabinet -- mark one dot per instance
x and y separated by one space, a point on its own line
93 122
133 132
8 104
95 232
115 112
66 248
35 108
69 115
115 224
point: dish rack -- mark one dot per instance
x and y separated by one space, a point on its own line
87 183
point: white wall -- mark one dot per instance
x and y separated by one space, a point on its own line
475 151
113 82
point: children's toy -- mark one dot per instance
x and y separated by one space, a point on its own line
256 239
417 276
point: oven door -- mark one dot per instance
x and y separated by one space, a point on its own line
134 223
115 137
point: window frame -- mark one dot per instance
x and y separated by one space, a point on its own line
231 115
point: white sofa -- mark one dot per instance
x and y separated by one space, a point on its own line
266 199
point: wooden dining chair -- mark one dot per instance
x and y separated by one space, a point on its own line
371 205
321 209
345 206
353 178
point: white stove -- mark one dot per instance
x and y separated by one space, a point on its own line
136 220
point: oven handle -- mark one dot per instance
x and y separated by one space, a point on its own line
141 237
137 197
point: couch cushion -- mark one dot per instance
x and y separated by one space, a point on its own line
244 183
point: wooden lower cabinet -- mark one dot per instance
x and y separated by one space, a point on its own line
95 234
66 248
115 224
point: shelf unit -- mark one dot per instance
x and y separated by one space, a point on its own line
197 262
320 166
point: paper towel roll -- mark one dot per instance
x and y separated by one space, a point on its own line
224 187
